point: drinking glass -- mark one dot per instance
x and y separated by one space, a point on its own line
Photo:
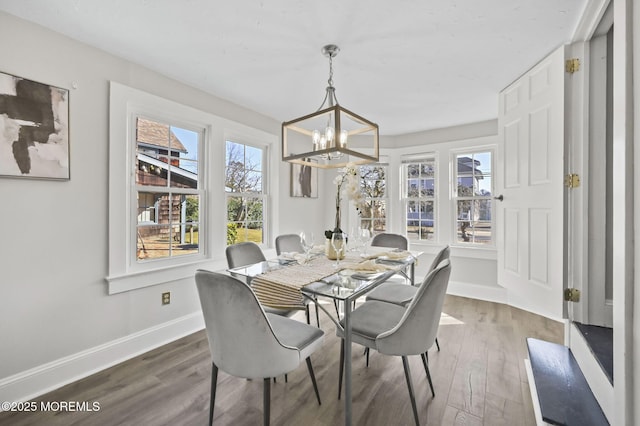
307 242
339 244
365 238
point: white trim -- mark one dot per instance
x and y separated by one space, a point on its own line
475 291
592 371
534 394
39 380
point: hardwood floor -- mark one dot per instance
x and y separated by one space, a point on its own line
479 379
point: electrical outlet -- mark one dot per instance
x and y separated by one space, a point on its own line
166 298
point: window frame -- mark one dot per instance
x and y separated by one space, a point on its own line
123 274
385 199
262 195
406 199
200 191
454 154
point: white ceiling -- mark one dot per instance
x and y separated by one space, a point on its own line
407 65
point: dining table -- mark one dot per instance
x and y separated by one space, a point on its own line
284 283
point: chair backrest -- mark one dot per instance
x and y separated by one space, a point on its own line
242 254
390 240
288 243
417 330
440 256
241 339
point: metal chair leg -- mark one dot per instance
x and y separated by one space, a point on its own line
317 314
212 397
306 312
437 344
313 379
426 370
341 367
267 401
367 354
407 374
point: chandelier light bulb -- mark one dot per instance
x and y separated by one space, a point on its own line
330 134
344 135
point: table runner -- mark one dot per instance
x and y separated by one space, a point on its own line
281 288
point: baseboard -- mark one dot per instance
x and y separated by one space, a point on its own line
597 379
534 394
476 291
39 380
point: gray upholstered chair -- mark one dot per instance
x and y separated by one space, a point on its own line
238 329
390 240
288 243
395 241
394 330
402 294
247 253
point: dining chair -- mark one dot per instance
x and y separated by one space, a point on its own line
402 294
395 241
238 329
287 243
248 253
394 330
390 240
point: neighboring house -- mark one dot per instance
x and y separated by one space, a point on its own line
158 161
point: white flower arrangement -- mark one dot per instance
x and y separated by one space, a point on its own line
347 182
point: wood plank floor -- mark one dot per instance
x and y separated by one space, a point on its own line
479 379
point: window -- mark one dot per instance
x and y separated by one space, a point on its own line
245 197
168 191
472 197
373 183
419 190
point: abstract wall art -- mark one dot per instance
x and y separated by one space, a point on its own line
304 181
34 129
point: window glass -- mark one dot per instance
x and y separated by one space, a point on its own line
167 190
373 184
473 202
419 188
244 187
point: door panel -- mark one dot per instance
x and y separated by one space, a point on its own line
530 242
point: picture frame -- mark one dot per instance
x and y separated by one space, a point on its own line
304 181
34 129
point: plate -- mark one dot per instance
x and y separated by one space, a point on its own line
359 275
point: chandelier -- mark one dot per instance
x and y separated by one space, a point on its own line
332 136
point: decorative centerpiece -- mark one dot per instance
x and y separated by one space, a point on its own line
347 181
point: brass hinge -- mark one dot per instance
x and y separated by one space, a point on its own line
572 65
572 295
572 181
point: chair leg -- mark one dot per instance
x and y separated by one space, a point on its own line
437 344
267 401
286 378
212 397
306 312
366 352
407 374
335 303
313 379
341 367
317 314
426 370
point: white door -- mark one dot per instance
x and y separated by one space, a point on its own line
530 228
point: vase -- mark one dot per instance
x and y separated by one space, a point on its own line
330 252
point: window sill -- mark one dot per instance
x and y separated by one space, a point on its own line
471 252
141 279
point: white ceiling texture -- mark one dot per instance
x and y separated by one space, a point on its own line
408 65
